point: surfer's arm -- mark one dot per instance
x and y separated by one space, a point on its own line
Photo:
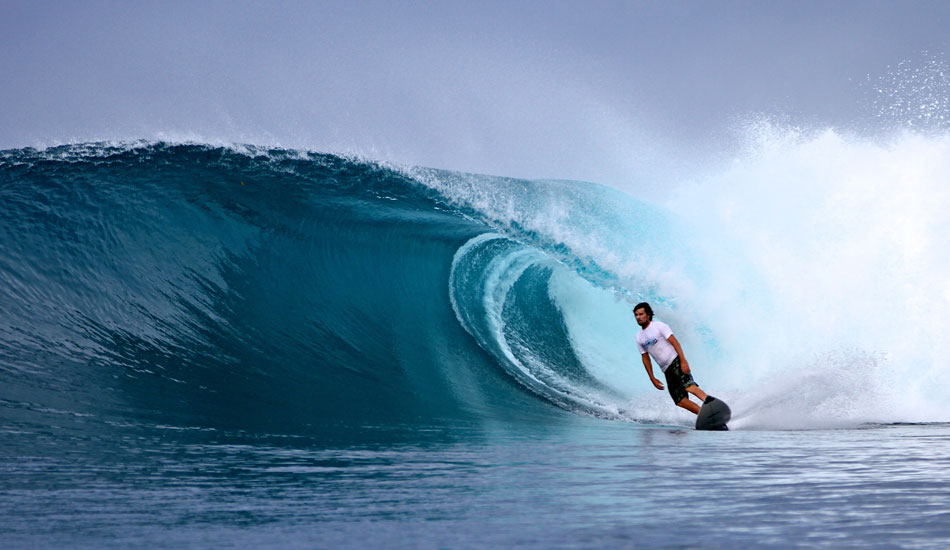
649 366
684 364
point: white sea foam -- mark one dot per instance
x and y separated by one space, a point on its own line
848 237
807 278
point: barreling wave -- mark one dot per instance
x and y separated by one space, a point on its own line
279 291
263 289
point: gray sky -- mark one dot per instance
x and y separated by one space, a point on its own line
605 91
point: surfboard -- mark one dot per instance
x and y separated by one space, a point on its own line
713 415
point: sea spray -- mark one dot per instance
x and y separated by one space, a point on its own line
847 237
813 265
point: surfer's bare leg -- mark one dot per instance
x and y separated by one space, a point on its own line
697 392
688 405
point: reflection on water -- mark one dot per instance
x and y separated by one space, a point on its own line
590 483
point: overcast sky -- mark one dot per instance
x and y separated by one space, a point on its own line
592 90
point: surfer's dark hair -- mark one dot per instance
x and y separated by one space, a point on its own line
645 307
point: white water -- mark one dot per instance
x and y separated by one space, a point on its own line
826 294
808 278
849 238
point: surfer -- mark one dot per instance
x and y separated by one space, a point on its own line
657 340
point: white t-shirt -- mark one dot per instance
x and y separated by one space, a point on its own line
655 340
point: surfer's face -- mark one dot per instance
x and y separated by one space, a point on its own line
642 318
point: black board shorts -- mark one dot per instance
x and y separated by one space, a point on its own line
677 381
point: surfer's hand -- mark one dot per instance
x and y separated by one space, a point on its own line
656 383
684 366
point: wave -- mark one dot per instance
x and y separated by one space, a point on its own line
244 289
282 291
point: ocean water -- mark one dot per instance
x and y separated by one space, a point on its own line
247 347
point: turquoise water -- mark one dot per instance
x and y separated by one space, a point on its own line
261 348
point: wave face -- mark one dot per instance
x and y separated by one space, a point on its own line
281 291
262 290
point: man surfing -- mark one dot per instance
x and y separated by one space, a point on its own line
657 340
